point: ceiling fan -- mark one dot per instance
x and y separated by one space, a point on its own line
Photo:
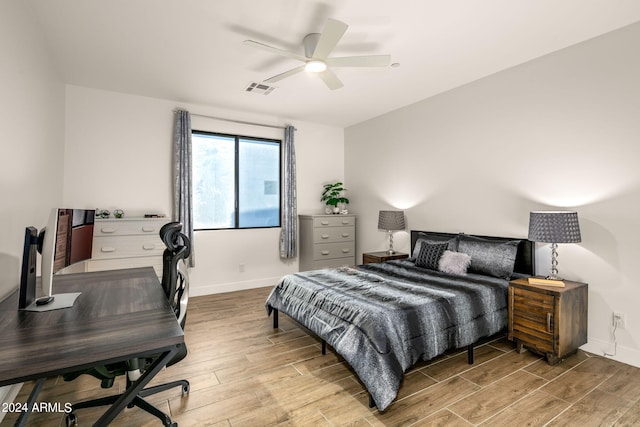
317 48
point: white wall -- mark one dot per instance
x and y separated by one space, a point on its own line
32 124
562 131
118 154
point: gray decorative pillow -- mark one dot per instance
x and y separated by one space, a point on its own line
423 237
454 263
492 258
430 254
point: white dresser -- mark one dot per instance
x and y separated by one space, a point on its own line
127 243
327 241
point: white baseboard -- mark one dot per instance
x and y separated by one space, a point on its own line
622 354
233 286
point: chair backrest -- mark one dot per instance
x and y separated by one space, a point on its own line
175 276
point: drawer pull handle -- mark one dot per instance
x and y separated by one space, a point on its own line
324 222
148 229
325 252
549 322
149 247
325 236
346 251
345 222
107 249
346 234
108 230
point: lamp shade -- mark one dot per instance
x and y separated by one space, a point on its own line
391 220
554 227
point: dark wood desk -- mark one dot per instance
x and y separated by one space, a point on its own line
120 314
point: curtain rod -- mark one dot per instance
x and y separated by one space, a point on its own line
237 121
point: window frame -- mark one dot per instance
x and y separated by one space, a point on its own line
236 190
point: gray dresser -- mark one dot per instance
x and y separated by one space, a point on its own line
327 241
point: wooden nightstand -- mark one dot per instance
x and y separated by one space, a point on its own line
373 257
548 320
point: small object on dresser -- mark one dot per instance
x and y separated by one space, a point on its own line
545 282
118 213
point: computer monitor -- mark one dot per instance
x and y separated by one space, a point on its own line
66 239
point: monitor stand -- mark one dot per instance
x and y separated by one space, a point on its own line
59 301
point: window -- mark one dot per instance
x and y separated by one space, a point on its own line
236 181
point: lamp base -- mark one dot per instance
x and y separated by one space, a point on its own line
390 252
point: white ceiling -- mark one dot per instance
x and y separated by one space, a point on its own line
191 51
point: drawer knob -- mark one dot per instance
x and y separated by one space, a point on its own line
325 223
345 251
148 229
107 249
108 230
325 252
148 247
346 234
345 222
325 236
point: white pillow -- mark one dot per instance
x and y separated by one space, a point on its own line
454 263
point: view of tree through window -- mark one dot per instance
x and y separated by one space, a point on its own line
236 181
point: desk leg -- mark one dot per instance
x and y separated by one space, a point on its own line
22 420
130 394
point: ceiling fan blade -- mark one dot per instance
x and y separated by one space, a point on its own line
360 61
330 79
274 50
331 35
284 75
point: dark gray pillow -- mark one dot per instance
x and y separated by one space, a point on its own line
433 238
492 258
430 254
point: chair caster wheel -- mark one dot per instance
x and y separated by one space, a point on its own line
185 389
71 419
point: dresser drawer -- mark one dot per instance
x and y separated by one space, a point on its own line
334 234
124 227
332 263
334 250
334 221
127 246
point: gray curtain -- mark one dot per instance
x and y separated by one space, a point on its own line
182 188
289 220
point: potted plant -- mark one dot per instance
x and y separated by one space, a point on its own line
332 196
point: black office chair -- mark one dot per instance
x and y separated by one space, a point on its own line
175 282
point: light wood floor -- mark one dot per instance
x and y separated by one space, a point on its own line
244 373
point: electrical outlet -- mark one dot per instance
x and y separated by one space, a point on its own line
619 319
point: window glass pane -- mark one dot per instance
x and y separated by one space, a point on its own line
213 181
259 183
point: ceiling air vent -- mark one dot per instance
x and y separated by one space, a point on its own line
261 88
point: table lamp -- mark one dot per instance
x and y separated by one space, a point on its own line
391 221
554 227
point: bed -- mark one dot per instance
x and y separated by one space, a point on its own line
384 318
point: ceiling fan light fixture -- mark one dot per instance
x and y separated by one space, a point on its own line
315 66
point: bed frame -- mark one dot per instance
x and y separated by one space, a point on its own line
524 264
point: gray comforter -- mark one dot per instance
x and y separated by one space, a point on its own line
384 318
